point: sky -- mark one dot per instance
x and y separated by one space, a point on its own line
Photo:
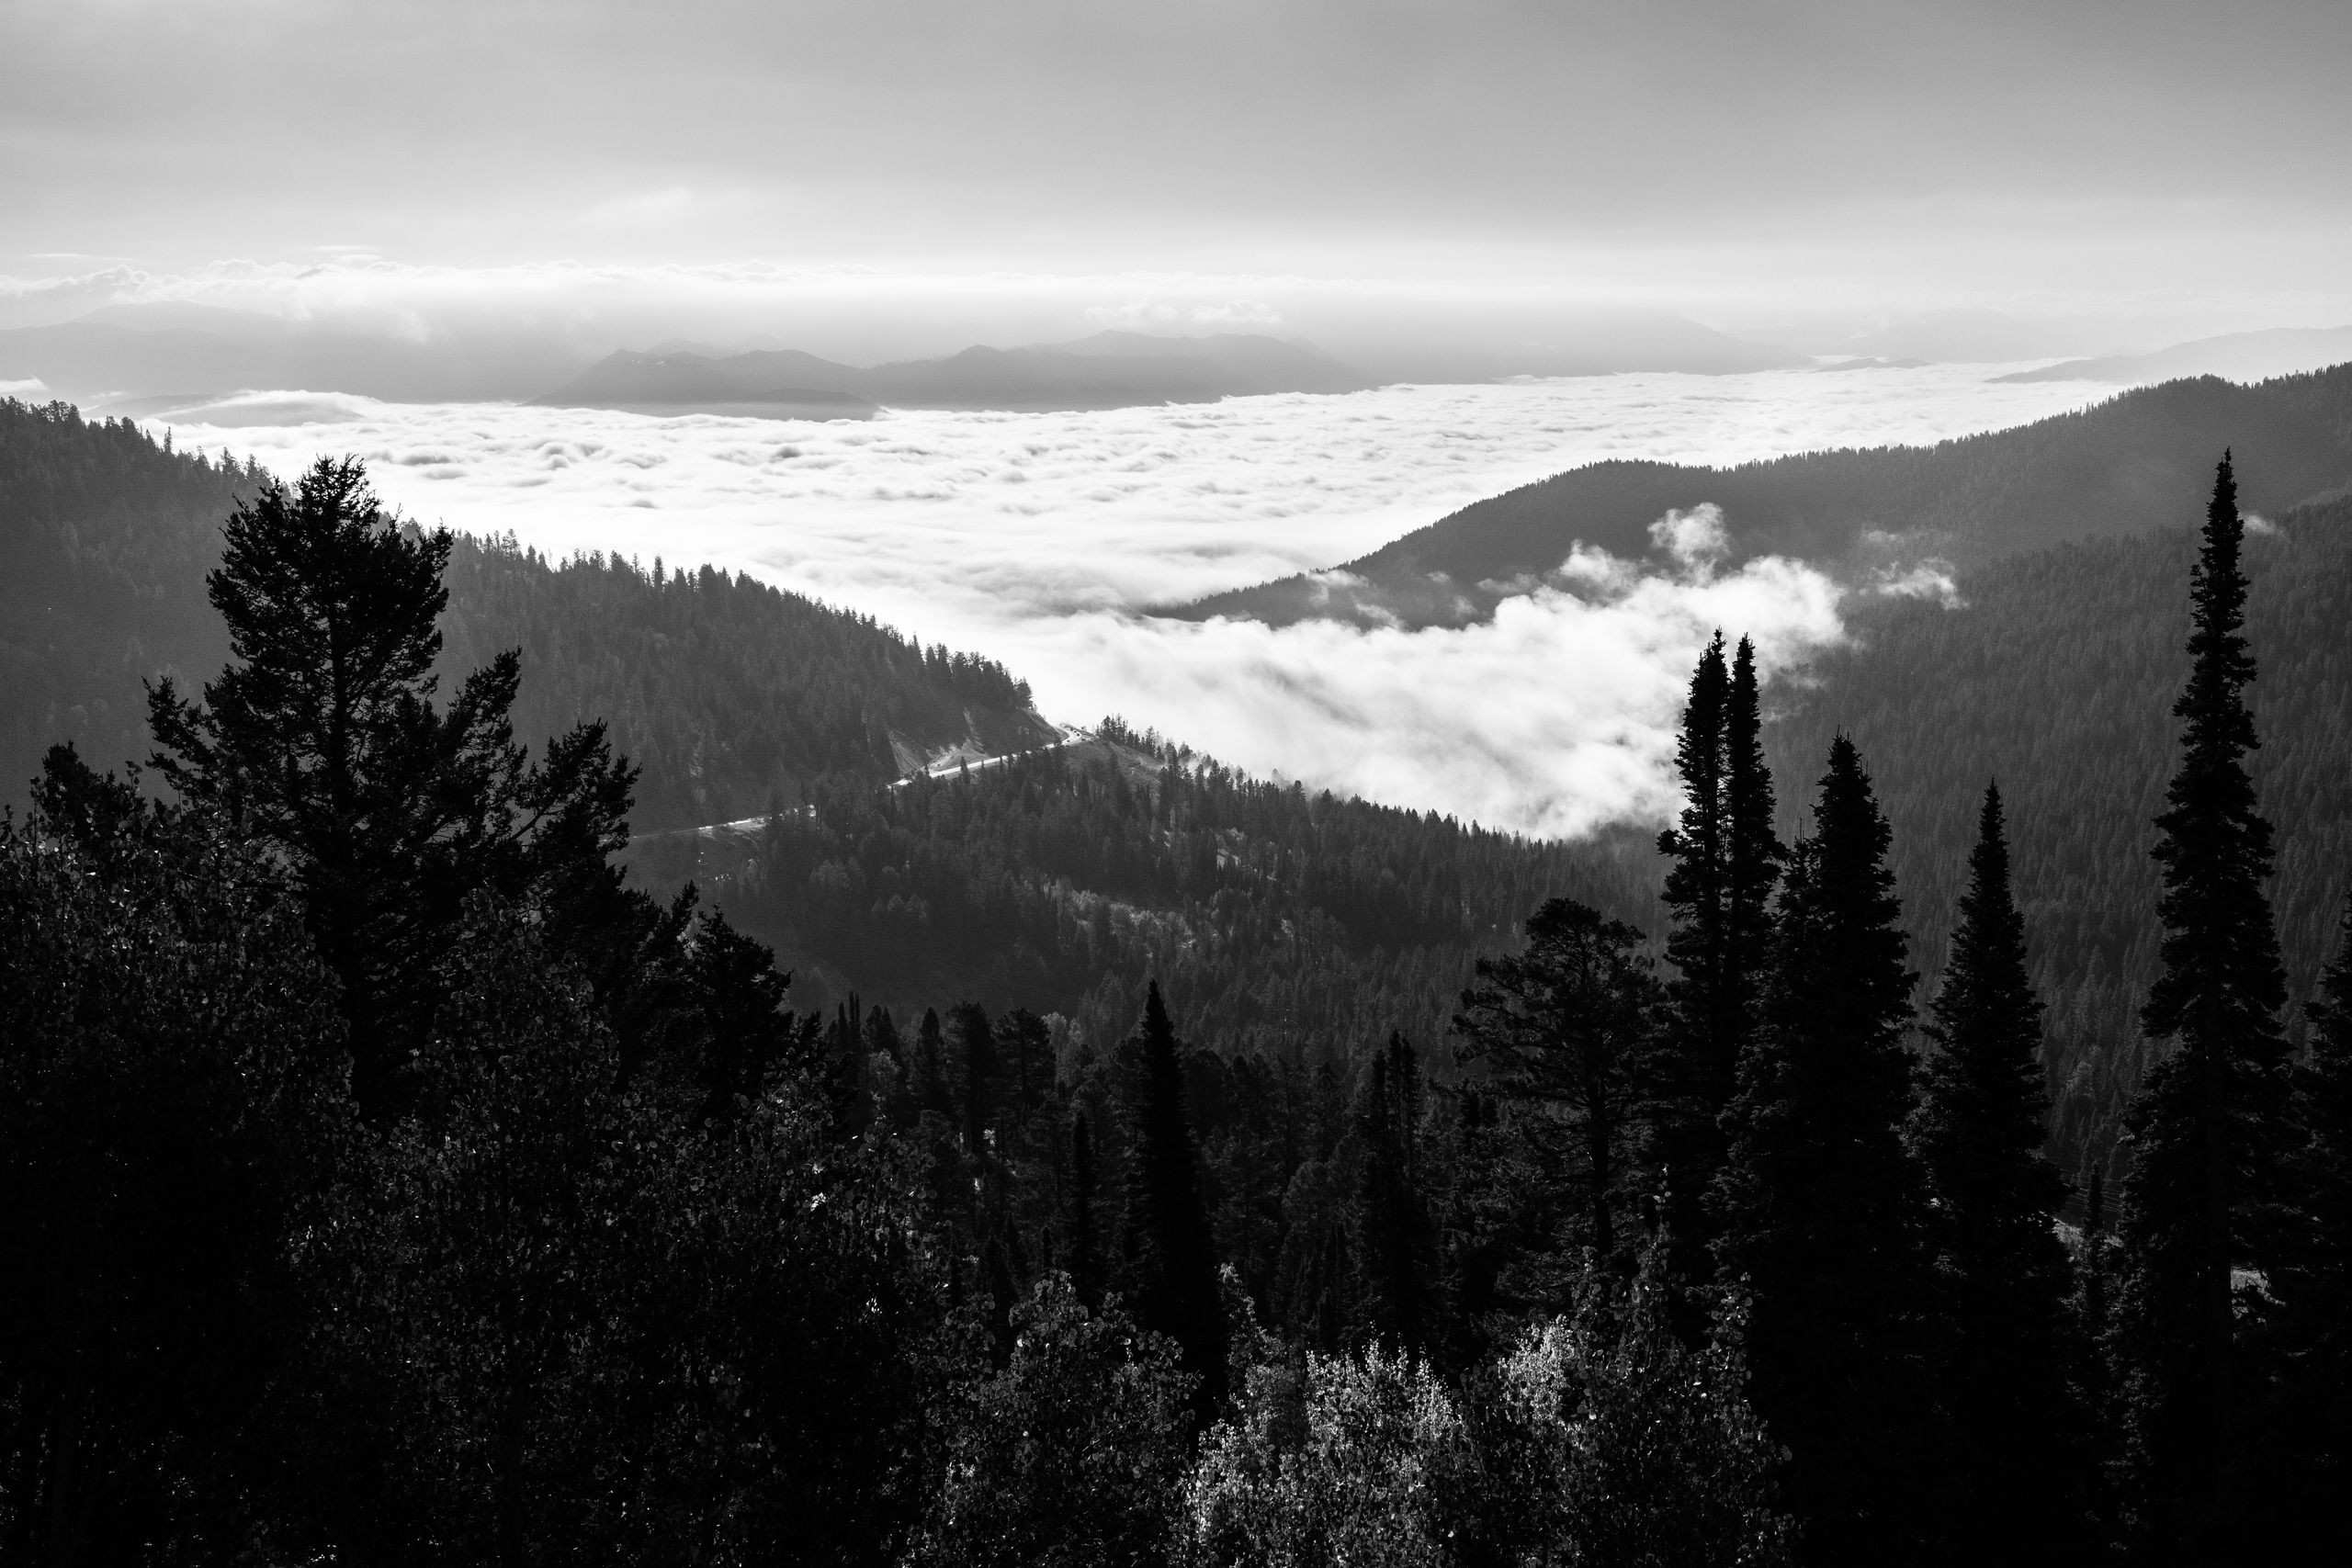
883 177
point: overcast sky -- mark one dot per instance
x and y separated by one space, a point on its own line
2148 167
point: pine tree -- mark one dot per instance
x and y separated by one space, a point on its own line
2314 1416
1752 862
321 739
930 1067
1704 1020
1820 1200
1169 1260
2001 1272
976 1036
1085 1252
1565 1033
2094 1379
1395 1244
747 1031
2210 1130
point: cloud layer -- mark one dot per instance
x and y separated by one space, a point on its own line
1045 539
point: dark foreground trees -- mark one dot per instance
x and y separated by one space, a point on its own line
611 1256
1820 1207
322 741
2001 1276
1169 1260
1563 1034
170 1087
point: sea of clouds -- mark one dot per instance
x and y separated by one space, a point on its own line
1047 541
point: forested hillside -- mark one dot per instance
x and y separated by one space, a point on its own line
2130 464
730 694
2057 679
1300 926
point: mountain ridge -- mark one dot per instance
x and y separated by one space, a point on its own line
2130 464
2238 356
1105 371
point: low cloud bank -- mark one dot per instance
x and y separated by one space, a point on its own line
1555 718
1047 540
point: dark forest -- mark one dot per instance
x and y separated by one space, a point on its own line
483 1081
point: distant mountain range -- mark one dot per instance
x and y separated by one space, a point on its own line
2239 356
2140 462
161 358
1107 370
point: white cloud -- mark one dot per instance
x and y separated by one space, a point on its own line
1555 718
1045 539
1929 578
1695 539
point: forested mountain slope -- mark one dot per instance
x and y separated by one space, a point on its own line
2057 678
2132 465
1302 927
730 694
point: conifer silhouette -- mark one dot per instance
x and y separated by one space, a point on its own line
1753 857
1169 1260
321 739
1395 1244
2211 1128
1819 1200
1706 1016
1085 1251
2002 1275
2308 1455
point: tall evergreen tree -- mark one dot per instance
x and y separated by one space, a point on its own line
1085 1251
1396 1243
321 739
929 1067
2094 1336
975 1040
2211 1128
2001 1272
1565 1032
2313 1414
1819 1200
1170 1262
1700 846
1704 1021
1753 857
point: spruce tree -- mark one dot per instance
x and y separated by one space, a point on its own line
2314 1411
2211 1127
1752 861
1396 1243
976 1037
1703 1023
2001 1273
1085 1252
1820 1200
1169 1260
930 1067
2094 1379
1565 1032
